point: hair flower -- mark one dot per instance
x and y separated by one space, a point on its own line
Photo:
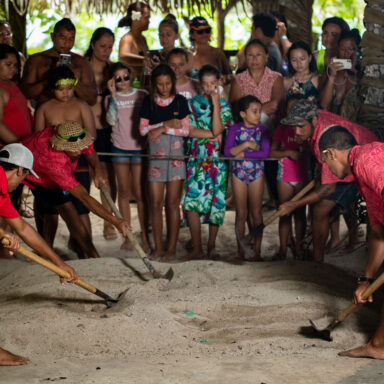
136 15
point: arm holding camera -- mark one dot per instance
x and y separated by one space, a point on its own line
331 74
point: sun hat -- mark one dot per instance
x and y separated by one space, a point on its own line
18 155
301 111
198 23
70 136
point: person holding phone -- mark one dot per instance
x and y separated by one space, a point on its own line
34 82
340 92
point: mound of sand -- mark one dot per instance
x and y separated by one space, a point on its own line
215 322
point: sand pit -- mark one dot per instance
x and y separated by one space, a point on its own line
215 322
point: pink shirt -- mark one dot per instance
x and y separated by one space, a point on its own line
366 163
189 89
324 120
292 171
263 91
54 168
125 131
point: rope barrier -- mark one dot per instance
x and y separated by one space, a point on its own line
183 157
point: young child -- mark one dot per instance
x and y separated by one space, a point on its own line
165 120
292 175
206 183
301 78
123 107
62 107
248 139
178 60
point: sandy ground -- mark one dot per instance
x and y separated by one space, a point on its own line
215 322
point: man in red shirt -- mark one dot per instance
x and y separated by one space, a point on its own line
343 157
56 153
309 124
16 163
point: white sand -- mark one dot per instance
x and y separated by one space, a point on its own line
215 322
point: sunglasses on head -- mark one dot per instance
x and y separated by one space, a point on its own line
120 79
202 31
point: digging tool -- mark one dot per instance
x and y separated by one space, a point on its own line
325 334
135 243
54 268
254 231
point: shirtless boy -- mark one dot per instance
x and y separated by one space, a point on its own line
16 163
343 157
34 83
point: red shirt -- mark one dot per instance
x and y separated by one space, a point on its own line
6 208
324 120
366 163
54 168
16 114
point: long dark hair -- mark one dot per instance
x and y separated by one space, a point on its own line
160 70
126 21
5 51
96 36
306 48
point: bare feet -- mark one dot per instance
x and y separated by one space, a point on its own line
212 254
239 256
332 245
109 232
155 255
145 243
75 247
8 358
169 256
256 258
126 246
194 255
365 351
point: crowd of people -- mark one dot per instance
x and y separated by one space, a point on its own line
162 121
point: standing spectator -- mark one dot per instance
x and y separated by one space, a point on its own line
98 54
6 38
34 83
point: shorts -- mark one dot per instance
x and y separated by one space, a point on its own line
47 199
344 194
103 143
127 159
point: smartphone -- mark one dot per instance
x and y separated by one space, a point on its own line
65 59
347 63
155 55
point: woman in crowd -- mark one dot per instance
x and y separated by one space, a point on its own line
332 29
302 78
123 115
200 34
6 38
98 53
340 92
165 120
206 182
133 48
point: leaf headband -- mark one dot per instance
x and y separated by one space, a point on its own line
67 81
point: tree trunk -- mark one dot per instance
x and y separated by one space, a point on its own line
371 112
19 29
220 16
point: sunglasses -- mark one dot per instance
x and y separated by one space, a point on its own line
120 79
73 139
202 31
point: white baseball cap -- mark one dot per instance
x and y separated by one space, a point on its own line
19 155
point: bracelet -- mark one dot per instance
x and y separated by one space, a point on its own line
362 279
283 38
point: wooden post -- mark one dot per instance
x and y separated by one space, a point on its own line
19 29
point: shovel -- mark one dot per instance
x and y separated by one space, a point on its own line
156 275
54 268
325 334
254 231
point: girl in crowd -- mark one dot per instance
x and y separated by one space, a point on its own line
178 60
248 139
200 35
301 73
291 177
98 53
123 115
340 92
332 29
133 47
165 120
206 183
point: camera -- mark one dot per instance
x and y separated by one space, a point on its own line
347 63
65 59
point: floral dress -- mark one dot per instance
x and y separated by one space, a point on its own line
206 182
306 88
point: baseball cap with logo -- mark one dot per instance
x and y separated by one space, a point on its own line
18 154
301 111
